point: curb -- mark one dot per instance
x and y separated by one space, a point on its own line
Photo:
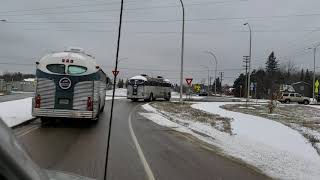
24 123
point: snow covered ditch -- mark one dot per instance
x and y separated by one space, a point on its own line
272 147
16 112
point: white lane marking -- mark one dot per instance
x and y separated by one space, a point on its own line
20 134
140 152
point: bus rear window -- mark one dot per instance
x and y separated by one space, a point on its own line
73 69
56 68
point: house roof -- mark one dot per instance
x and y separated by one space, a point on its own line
300 82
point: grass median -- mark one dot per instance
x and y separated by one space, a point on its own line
184 111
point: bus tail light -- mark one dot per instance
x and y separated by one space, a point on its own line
37 101
89 104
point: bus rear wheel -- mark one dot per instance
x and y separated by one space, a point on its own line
150 98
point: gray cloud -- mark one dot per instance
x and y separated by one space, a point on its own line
37 27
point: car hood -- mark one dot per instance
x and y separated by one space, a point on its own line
58 175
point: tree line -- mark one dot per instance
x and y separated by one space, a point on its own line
268 80
15 76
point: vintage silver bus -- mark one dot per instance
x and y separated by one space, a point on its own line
69 84
148 88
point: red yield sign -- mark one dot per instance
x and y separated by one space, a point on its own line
115 73
189 81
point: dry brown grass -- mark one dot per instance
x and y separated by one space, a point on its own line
186 112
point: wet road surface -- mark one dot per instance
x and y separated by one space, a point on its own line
16 96
80 147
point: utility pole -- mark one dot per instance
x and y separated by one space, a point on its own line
221 78
314 68
215 71
250 52
182 51
208 80
246 60
210 87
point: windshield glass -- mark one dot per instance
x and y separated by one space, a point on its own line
56 68
175 89
73 69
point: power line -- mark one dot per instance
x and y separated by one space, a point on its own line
126 9
173 20
127 68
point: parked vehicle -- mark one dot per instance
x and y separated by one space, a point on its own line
294 97
69 85
203 93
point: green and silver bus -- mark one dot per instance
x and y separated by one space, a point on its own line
69 84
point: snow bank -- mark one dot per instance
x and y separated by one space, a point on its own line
176 95
271 146
280 155
16 112
120 92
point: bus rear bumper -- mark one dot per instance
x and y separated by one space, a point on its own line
40 112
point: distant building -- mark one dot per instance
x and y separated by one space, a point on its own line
286 88
2 85
303 88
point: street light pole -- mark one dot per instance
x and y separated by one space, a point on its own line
182 51
250 49
314 68
215 71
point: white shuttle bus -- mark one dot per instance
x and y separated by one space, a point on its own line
148 88
69 85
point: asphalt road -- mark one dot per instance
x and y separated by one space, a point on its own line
80 148
15 96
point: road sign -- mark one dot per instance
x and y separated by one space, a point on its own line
251 86
316 84
115 73
189 81
197 88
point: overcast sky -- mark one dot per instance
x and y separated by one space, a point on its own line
151 33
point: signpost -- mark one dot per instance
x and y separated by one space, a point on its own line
189 81
197 88
115 73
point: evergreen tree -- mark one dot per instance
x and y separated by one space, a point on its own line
307 77
272 64
120 83
302 75
239 86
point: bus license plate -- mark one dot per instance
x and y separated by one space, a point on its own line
63 101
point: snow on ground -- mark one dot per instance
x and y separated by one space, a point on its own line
120 92
16 112
176 95
277 150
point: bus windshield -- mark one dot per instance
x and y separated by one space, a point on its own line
56 68
73 69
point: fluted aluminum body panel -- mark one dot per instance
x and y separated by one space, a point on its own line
46 88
